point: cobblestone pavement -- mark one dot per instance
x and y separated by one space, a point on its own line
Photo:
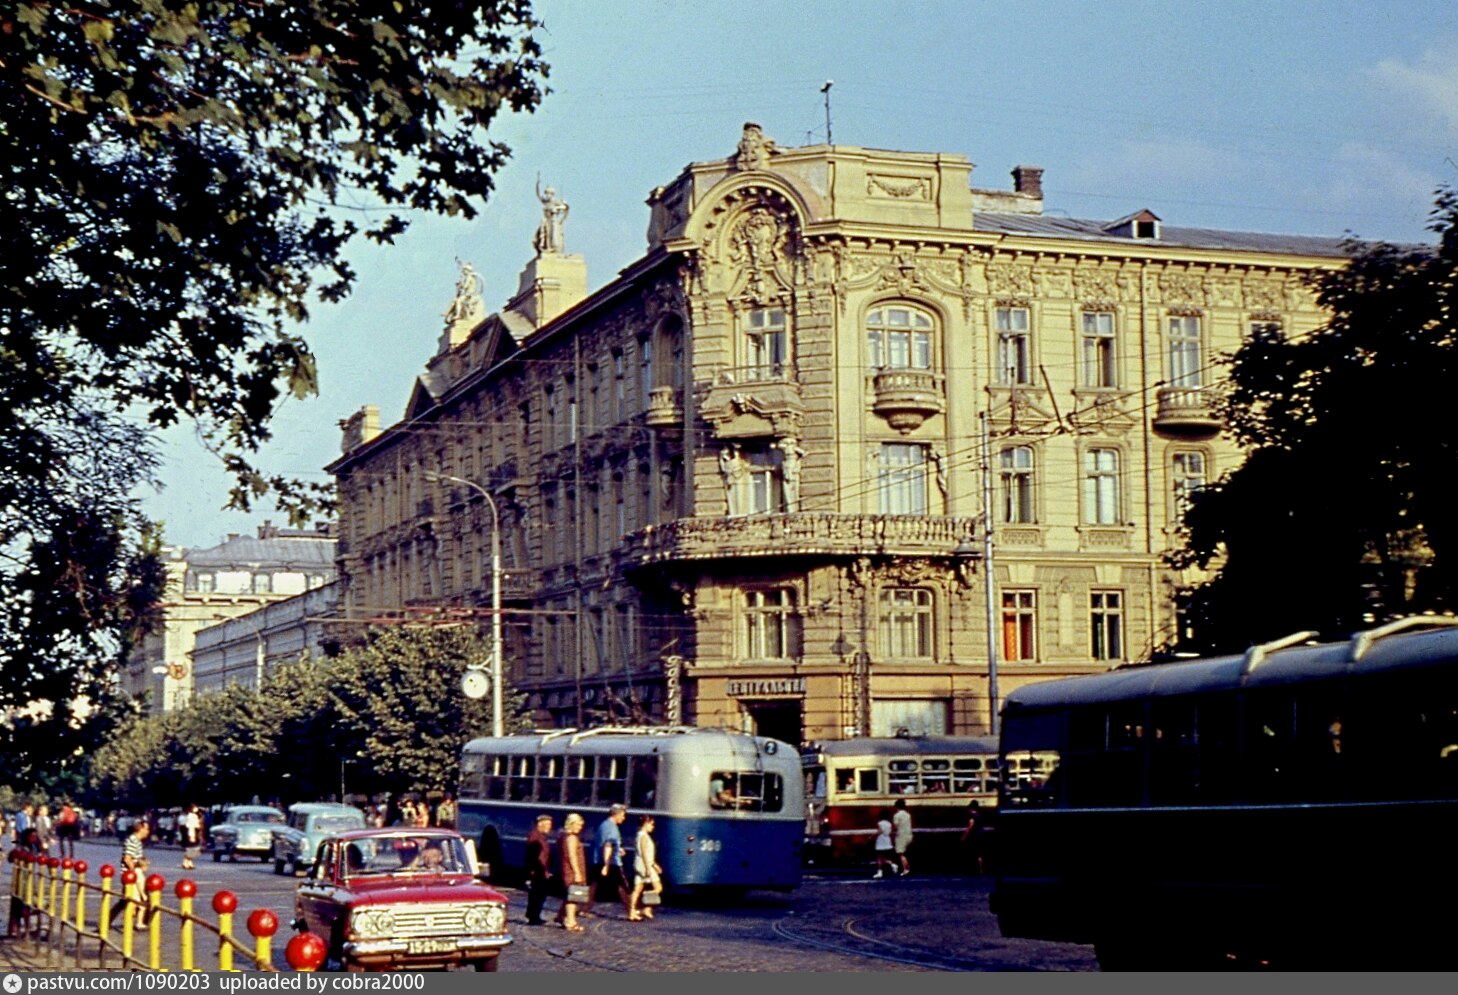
844 924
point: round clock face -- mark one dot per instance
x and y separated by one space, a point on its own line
475 684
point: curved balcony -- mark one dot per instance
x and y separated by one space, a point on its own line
798 535
1186 411
664 410
906 398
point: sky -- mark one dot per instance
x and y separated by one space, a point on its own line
1299 118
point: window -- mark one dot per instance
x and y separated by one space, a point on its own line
764 492
620 387
581 774
906 624
1015 471
766 344
1106 625
1019 625
747 791
899 338
645 369
770 625
1014 346
910 716
901 777
903 483
1185 363
1101 487
1187 475
262 583
1098 349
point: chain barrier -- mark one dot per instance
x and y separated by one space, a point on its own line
50 899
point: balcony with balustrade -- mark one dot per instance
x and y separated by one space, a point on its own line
906 398
1186 411
804 534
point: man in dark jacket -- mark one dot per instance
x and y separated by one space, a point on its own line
538 868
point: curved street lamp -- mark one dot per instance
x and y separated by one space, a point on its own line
498 724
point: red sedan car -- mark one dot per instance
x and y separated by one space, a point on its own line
402 898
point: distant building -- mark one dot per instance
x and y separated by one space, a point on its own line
243 650
742 483
206 585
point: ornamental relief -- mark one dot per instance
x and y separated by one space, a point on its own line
1182 290
1056 283
1104 415
1096 286
1264 295
899 187
1225 292
1007 280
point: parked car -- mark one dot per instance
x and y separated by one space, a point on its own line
245 829
402 898
309 824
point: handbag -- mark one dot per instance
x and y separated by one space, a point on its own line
651 898
579 893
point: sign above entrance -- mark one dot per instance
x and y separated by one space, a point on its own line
768 685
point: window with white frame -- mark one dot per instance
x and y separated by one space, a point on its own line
1098 349
1186 362
771 625
903 479
1101 487
899 338
906 624
766 342
1014 346
1015 477
1187 475
764 492
1106 625
1019 625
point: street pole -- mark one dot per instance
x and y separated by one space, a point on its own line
498 722
987 579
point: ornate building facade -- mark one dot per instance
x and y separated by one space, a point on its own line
744 483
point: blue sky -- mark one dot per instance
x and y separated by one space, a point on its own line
1305 118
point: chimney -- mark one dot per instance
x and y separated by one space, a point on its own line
1028 180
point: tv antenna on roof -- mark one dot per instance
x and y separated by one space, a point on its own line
826 90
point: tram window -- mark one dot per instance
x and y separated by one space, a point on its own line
902 777
612 780
496 778
868 780
549 779
967 776
936 776
1172 761
523 772
845 782
581 773
644 784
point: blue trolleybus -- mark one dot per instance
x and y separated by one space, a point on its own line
729 808
1294 806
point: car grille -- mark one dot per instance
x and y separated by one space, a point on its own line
429 921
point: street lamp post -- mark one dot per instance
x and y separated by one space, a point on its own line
498 724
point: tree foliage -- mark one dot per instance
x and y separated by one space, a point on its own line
180 183
386 716
1341 514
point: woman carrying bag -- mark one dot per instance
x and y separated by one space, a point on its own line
647 873
574 873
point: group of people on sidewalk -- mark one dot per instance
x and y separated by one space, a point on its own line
566 866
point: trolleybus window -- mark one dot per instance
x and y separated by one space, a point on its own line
495 777
473 769
523 770
644 785
581 772
612 780
748 791
549 779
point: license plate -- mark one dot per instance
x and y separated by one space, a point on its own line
430 946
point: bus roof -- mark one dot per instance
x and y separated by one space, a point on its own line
1271 664
627 740
885 746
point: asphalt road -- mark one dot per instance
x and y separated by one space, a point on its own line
835 922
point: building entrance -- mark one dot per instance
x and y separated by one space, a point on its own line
782 720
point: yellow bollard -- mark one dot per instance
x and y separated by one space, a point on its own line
128 915
66 865
224 903
103 920
81 889
185 890
52 903
154 921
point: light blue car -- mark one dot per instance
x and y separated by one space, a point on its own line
309 824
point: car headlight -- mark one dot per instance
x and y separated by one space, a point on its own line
495 919
477 920
373 922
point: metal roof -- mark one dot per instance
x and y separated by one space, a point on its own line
1042 226
248 551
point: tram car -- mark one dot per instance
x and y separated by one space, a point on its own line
850 784
1294 807
728 807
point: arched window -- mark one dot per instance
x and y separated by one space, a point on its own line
899 338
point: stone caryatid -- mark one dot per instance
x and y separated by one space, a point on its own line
550 237
468 304
733 468
790 456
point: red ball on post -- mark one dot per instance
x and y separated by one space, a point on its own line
262 923
306 952
225 902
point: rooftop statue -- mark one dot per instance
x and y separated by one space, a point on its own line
554 214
